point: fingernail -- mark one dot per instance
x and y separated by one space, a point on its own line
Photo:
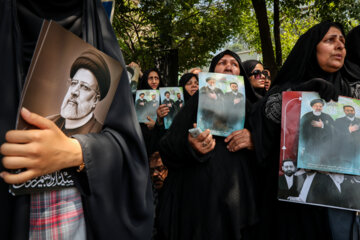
2 174
25 112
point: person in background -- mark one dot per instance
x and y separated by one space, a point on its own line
268 78
257 76
190 84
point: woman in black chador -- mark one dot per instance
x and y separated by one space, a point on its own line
151 79
209 192
313 65
112 196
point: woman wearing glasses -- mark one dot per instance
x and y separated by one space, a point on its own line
256 75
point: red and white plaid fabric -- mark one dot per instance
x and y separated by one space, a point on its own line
57 215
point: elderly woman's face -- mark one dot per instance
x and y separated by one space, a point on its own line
153 80
258 80
330 51
228 65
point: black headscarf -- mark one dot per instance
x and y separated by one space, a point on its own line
183 80
176 138
249 90
119 204
143 82
301 65
249 66
351 69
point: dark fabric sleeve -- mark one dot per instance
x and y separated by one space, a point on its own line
119 187
265 123
174 146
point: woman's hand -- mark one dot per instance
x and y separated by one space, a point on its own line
39 151
162 112
150 124
204 143
239 140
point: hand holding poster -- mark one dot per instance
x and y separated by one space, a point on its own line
327 187
146 104
71 83
173 98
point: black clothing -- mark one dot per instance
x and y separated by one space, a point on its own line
300 66
347 143
178 104
207 196
116 187
212 102
351 69
317 141
204 197
284 190
183 80
233 105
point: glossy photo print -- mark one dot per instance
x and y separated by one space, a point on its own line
173 98
329 137
146 104
221 103
307 186
70 83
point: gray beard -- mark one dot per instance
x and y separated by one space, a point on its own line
317 113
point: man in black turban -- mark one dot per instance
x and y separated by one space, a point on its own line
316 130
89 84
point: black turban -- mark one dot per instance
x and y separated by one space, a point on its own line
317 101
95 63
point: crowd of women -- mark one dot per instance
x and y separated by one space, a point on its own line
205 187
226 187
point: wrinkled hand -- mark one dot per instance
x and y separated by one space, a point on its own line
239 140
162 112
325 89
39 151
204 143
150 124
318 124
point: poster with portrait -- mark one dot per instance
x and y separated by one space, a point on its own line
307 186
221 103
71 83
146 104
329 136
173 98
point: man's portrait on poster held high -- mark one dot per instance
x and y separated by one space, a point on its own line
70 82
88 84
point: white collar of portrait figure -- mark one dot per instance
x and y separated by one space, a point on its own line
351 118
72 124
316 113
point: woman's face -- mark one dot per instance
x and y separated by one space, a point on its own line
258 80
153 80
228 65
192 86
330 51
